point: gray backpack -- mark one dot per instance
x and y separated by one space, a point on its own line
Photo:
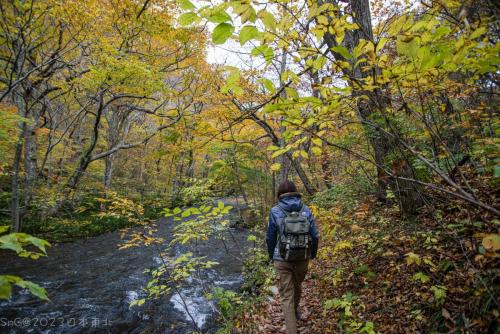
294 237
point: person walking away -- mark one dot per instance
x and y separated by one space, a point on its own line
292 240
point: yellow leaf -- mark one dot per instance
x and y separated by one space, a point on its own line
316 150
322 20
275 167
491 242
412 258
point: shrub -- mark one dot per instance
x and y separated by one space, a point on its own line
344 194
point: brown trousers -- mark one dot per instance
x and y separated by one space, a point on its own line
291 275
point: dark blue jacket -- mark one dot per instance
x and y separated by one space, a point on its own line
289 202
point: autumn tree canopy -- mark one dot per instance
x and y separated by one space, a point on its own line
118 106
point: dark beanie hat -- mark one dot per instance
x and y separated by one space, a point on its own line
286 187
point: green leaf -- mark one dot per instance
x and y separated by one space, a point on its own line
251 238
6 282
273 148
221 33
34 288
381 44
10 241
342 51
319 62
268 84
220 205
281 151
410 48
244 10
4 228
478 32
219 17
292 93
264 51
268 20
420 276
247 33
368 328
185 4
439 293
39 243
195 211
187 18
177 211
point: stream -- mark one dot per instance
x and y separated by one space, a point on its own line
91 283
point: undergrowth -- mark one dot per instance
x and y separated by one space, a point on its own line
377 272
232 306
94 215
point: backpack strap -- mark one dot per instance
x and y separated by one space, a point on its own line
283 210
280 221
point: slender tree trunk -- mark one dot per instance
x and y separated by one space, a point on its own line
283 160
178 179
16 167
86 156
285 168
15 200
294 162
142 174
30 160
234 163
302 174
190 165
325 168
205 167
108 170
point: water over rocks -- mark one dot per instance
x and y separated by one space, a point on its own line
91 284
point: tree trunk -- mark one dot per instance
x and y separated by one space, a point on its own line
302 174
190 165
407 194
205 168
108 170
325 167
382 143
177 183
15 208
16 166
142 175
283 160
86 156
30 160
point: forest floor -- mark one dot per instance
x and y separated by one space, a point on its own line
377 273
